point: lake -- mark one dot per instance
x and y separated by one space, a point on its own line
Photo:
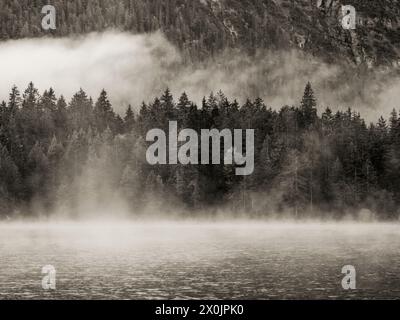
204 260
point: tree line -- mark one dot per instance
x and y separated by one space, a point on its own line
56 155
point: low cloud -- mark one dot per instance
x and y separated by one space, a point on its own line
136 68
128 66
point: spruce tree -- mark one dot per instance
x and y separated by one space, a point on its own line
103 113
308 107
129 120
14 102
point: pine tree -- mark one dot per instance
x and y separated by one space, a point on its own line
183 109
167 108
80 111
61 119
308 107
129 120
15 101
48 101
103 113
30 97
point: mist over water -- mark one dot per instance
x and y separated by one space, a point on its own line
115 229
215 259
230 260
136 68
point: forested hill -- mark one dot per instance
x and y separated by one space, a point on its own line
201 28
81 157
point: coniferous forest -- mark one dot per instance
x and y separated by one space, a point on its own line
307 164
203 28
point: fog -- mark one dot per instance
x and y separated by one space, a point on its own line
128 66
136 68
230 260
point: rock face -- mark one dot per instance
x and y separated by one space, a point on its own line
202 28
315 26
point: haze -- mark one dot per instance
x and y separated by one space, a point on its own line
136 68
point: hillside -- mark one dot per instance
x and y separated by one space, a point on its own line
201 28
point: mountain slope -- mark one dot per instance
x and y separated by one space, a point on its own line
202 28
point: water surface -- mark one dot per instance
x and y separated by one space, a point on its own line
199 260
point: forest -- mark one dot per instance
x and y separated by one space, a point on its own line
203 28
61 156
187 24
